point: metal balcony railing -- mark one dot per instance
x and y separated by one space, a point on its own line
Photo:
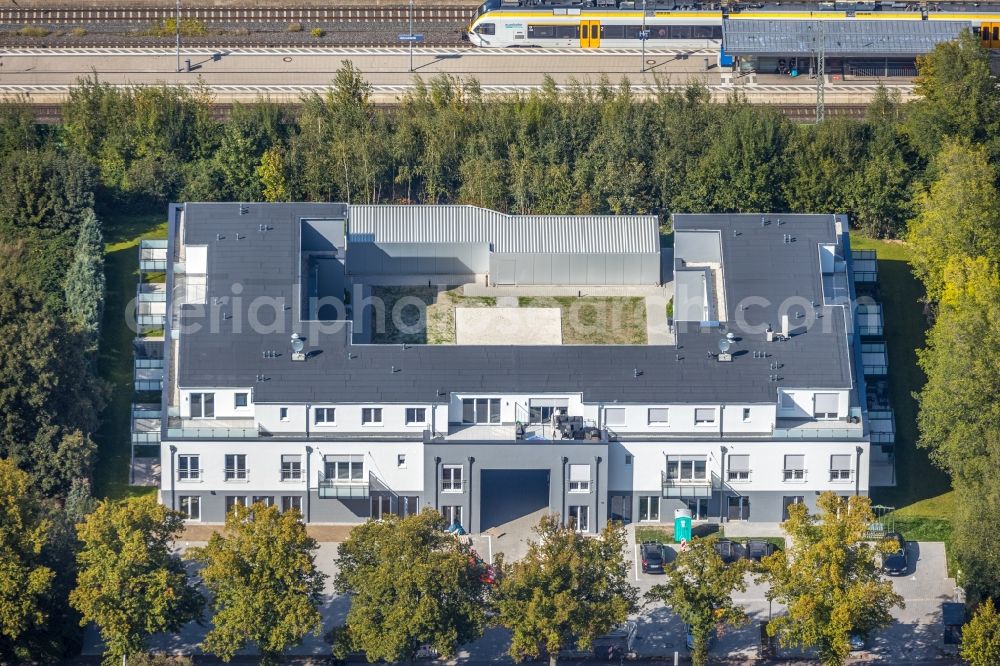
338 488
794 475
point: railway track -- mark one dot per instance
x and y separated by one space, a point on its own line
209 15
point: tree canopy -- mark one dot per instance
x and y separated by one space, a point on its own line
828 578
698 587
265 587
567 590
130 582
411 584
981 636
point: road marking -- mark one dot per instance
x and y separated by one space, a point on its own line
635 560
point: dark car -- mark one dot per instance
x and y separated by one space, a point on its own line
758 549
895 561
652 557
727 550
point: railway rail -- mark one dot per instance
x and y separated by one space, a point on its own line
210 15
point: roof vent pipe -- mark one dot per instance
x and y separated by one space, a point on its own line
785 327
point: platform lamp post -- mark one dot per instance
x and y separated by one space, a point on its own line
642 37
177 33
411 33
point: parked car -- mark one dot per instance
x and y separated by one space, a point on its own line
652 557
758 549
895 561
728 550
689 638
857 642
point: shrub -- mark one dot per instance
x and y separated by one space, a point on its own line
78 32
317 32
33 31
294 27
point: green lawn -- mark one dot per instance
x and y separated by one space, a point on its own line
900 293
122 233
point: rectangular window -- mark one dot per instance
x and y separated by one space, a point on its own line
203 405
451 479
416 416
840 467
579 478
371 416
401 461
266 500
746 415
452 514
283 413
291 503
325 416
658 416
739 468
579 518
628 459
704 416
649 509
191 507
344 471
407 505
795 468
188 468
614 416
826 406
236 467
689 469
241 400
481 410
233 500
291 467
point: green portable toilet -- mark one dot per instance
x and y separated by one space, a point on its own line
682 525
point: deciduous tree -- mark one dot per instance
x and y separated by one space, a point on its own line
981 636
25 581
411 584
568 590
699 587
265 586
828 579
130 582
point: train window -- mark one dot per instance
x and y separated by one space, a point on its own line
680 32
716 32
702 32
593 31
486 29
541 31
996 32
659 32
566 31
613 32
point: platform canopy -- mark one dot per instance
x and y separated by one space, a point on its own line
762 37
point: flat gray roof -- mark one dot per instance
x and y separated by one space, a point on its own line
544 234
230 353
841 38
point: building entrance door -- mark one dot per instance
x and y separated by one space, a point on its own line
739 508
621 508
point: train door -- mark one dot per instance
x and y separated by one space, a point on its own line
590 34
984 34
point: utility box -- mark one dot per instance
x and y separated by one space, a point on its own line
682 525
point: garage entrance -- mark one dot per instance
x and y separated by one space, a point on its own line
509 494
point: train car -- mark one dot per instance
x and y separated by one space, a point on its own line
499 26
606 25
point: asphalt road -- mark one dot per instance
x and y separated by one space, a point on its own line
285 74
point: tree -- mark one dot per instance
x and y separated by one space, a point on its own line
828 579
264 582
49 397
958 214
981 636
85 278
436 598
568 590
271 172
699 587
130 583
956 98
25 581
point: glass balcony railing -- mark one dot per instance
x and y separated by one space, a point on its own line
212 433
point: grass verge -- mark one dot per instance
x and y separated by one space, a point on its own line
122 233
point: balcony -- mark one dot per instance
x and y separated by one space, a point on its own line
153 255
340 488
582 431
178 428
690 487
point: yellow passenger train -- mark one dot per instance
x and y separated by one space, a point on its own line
606 25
